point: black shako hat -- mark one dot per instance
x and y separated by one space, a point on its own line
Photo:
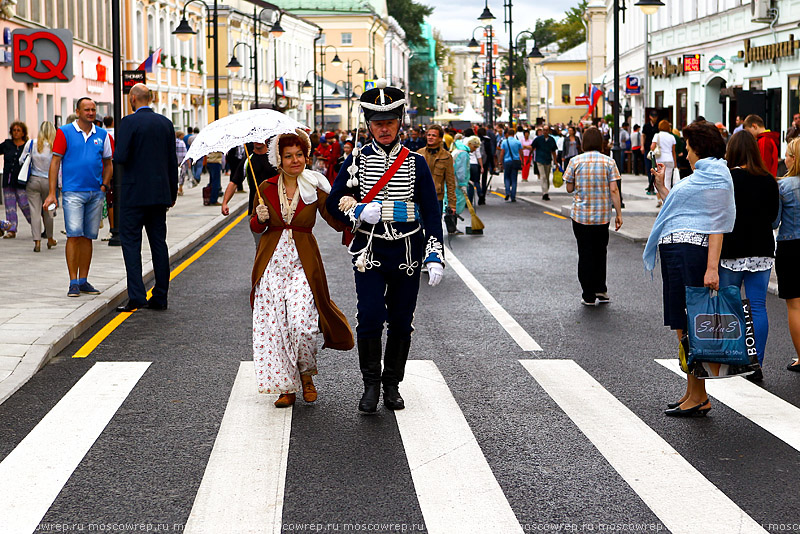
383 102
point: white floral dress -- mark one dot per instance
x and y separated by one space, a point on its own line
286 335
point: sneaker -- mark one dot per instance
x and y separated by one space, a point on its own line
74 290
602 298
88 288
651 193
592 302
545 197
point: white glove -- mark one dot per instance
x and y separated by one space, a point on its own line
435 273
262 212
371 213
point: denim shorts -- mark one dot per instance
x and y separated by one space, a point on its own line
82 212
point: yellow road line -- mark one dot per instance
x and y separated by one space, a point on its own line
104 332
546 212
554 215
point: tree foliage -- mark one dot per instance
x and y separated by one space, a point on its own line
410 15
568 32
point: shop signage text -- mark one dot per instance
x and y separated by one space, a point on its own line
770 52
131 78
632 85
666 69
41 56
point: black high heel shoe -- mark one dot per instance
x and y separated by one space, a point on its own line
694 411
674 404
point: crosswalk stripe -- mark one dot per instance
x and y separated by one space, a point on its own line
34 473
243 484
456 488
679 495
523 339
768 411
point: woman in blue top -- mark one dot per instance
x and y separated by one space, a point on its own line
787 255
688 234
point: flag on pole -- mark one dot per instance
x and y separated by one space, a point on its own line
150 63
594 97
279 85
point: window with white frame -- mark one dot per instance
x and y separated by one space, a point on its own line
347 38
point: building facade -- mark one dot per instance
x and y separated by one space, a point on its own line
90 23
565 79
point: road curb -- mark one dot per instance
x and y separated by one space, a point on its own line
66 330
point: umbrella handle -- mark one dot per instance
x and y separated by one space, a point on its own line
255 181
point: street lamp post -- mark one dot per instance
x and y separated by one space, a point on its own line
276 31
185 32
335 62
349 71
256 34
648 7
488 97
234 65
534 53
308 85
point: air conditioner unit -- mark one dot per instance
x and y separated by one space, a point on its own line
761 11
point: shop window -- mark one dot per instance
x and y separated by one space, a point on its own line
9 107
565 93
756 84
347 38
659 99
21 115
681 98
794 98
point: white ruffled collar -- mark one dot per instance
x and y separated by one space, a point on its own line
308 182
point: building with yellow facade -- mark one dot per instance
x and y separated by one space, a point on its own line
562 78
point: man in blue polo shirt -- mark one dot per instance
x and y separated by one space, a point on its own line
83 153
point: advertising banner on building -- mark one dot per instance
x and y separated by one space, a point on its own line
41 56
632 85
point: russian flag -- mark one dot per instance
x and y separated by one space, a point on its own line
149 63
594 97
279 85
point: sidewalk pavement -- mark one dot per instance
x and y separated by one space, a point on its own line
38 320
638 216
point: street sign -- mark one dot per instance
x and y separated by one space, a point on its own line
41 56
333 105
131 78
632 85
369 84
582 100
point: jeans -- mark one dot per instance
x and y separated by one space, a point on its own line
82 212
510 179
592 252
651 180
755 288
215 173
197 168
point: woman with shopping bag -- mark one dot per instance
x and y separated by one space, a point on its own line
688 235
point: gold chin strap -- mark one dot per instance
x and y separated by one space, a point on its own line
255 180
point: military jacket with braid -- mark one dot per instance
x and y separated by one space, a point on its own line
407 200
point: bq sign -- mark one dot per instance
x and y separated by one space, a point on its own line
41 56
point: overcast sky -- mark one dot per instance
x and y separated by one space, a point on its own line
457 22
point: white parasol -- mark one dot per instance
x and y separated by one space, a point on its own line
253 126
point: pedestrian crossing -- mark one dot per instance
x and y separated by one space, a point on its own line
243 487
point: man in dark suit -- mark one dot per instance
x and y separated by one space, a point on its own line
145 149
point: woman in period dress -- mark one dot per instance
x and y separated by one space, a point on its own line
290 298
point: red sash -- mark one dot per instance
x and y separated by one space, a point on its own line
347 236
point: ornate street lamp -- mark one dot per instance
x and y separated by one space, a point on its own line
184 32
649 7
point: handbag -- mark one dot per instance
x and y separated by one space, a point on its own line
558 177
716 326
25 170
656 152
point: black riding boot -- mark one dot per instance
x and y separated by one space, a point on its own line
394 362
369 358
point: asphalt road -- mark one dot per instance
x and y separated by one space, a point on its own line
344 468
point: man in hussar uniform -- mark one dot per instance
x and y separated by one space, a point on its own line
387 195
